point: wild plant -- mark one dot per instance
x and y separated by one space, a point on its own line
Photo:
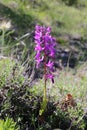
45 55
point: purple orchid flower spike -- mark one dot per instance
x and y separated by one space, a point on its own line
45 50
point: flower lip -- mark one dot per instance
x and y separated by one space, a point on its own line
50 64
38 48
50 76
39 60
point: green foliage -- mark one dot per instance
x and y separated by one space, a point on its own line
70 2
62 41
6 68
10 72
24 103
8 124
56 14
21 105
77 118
68 120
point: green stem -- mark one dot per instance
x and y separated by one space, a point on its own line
3 34
44 102
44 76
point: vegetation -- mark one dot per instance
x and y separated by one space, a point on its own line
21 83
56 14
9 124
22 102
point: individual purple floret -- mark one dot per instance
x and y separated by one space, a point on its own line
45 50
